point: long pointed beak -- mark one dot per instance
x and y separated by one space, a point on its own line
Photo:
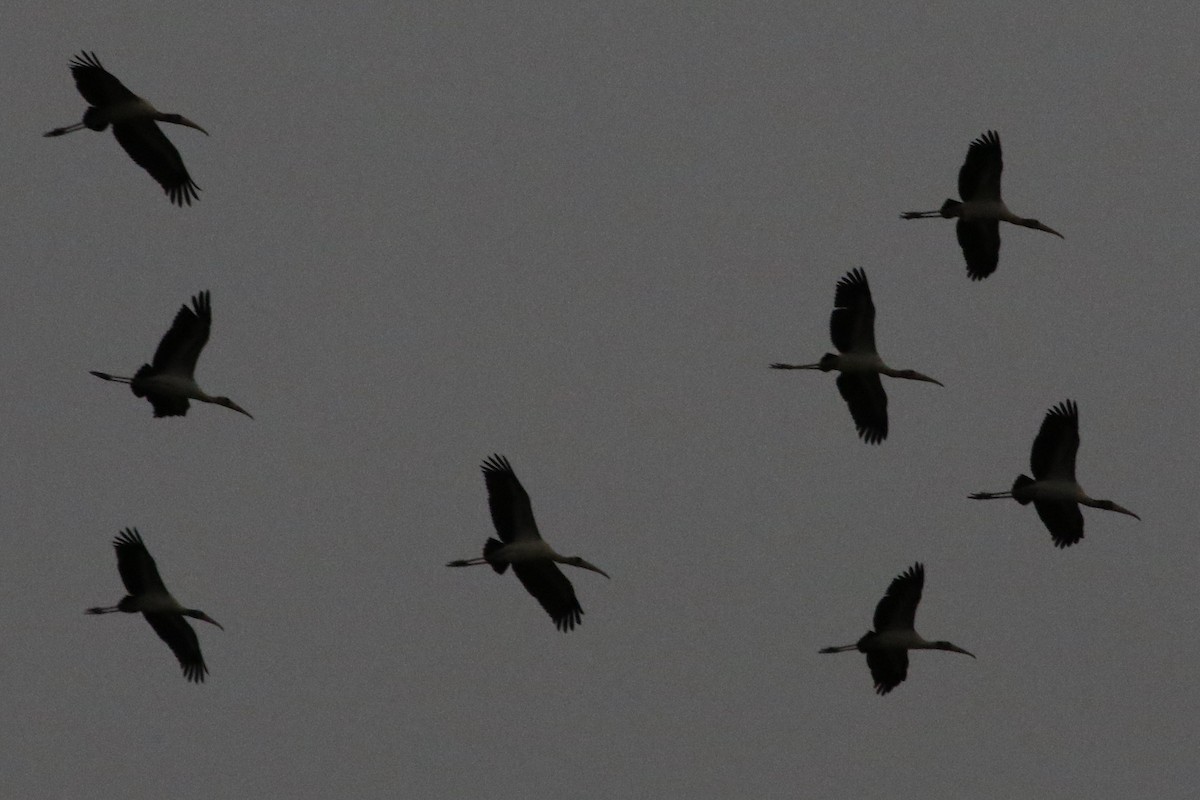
207 618
1048 229
230 404
593 568
190 124
1121 510
913 375
958 649
919 214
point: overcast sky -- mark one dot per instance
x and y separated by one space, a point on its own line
576 234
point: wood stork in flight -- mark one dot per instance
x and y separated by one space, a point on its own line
523 548
148 596
981 209
852 327
133 123
887 646
1053 490
168 383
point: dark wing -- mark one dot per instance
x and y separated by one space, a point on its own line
1057 442
898 608
95 83
545 581
179 636
888 668
863 392
151 150
980 243
137 568
165 405
1063 519
979 177
168 406
181 345
511 512
852 324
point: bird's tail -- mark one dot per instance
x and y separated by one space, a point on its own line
1020 483
491 546
141 371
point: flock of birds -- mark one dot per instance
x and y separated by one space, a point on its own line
169 383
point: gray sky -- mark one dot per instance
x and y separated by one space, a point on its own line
577 236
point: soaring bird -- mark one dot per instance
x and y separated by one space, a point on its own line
169 382
1053 490
523 548
133 123
887 646
148 596
852 327
981 209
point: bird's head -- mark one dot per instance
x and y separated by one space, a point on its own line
1109 505
913 375
198 614
952 648
179 119
225 401
576 561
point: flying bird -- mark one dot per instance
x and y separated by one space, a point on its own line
887 646
852 327
981 210
133 123
523 548
148 596
169 382
1053 490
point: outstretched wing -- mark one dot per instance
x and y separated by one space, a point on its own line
545 581
864 394
138 570
509 503
852 324
179 636
980 243
979 176
151 150
95 83
1057 442
181 345
898 608
888 668
1063 519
